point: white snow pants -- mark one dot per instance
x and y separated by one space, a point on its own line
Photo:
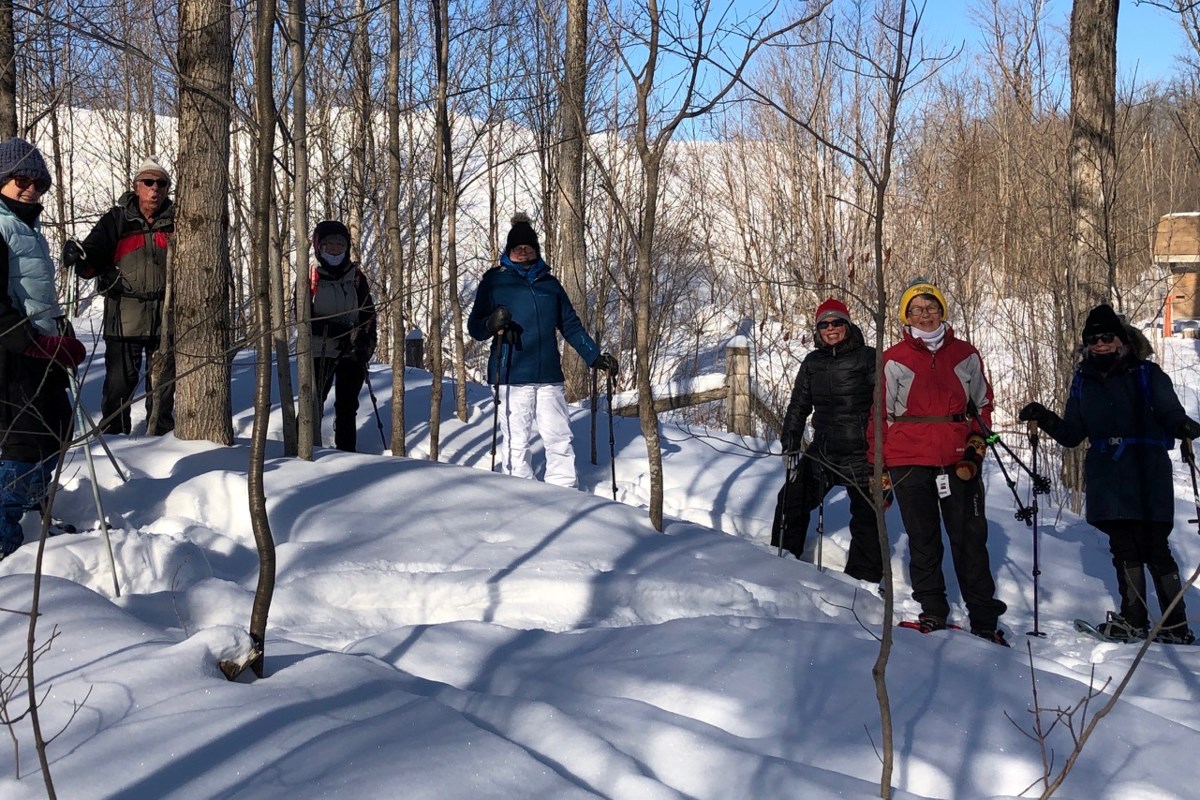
543 405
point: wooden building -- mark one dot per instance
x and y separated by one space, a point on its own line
1177 247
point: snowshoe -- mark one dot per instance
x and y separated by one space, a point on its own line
928 623
1178 634
1114 630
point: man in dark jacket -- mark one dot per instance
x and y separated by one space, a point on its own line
521 307
36 348
835 384
1127 408
126 253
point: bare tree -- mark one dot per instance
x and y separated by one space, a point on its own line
263 191
653 128
393 305
442 186
203 406
8 71
571 249
1092 155
307 420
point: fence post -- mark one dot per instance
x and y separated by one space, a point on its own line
737 386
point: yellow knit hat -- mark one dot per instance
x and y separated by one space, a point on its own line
917 287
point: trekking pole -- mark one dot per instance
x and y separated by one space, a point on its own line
1037 571
1024 513
790 462
612 442
87 452
820 533
1041 484
82 416
496 402
594 398
1189 455
374 404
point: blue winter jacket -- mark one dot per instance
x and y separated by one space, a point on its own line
1130 416
539 305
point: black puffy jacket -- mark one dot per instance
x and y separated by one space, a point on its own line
835 384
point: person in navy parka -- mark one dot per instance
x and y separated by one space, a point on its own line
521 307
1126 407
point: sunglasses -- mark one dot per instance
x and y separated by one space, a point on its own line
161 183
830 323
23 182
1098 338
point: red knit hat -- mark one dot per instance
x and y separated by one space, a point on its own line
832 308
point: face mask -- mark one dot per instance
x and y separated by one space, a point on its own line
331 259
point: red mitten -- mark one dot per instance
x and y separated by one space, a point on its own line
64 350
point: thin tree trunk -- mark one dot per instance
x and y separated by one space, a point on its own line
441 20
572 247
203 408
279 333
8 71
394 304
307 421
264 183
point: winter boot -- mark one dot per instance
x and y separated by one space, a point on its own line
930 623
995 636
1118 629
1174 628
1131 583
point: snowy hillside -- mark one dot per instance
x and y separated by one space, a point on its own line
442 632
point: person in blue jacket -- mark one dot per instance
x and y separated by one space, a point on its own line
1126 407
38 349
522 308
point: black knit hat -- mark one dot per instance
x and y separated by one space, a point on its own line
1102 319
20 159
521 233
327 228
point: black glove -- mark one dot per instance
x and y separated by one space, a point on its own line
608 363
511 335
1033 412
364 348
792 442
499 320
1188 429
72 254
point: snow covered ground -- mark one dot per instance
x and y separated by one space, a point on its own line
439 631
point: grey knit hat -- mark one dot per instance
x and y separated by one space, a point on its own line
151 165
20 159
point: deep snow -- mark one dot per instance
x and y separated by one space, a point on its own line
442 632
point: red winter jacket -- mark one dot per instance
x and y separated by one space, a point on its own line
935 387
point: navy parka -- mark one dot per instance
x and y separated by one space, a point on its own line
540 307
1130 415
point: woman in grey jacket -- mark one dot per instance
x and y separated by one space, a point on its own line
343 329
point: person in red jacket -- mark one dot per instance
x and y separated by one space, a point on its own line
933 446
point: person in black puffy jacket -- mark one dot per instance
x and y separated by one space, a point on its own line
834 385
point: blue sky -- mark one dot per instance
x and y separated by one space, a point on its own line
1149 39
